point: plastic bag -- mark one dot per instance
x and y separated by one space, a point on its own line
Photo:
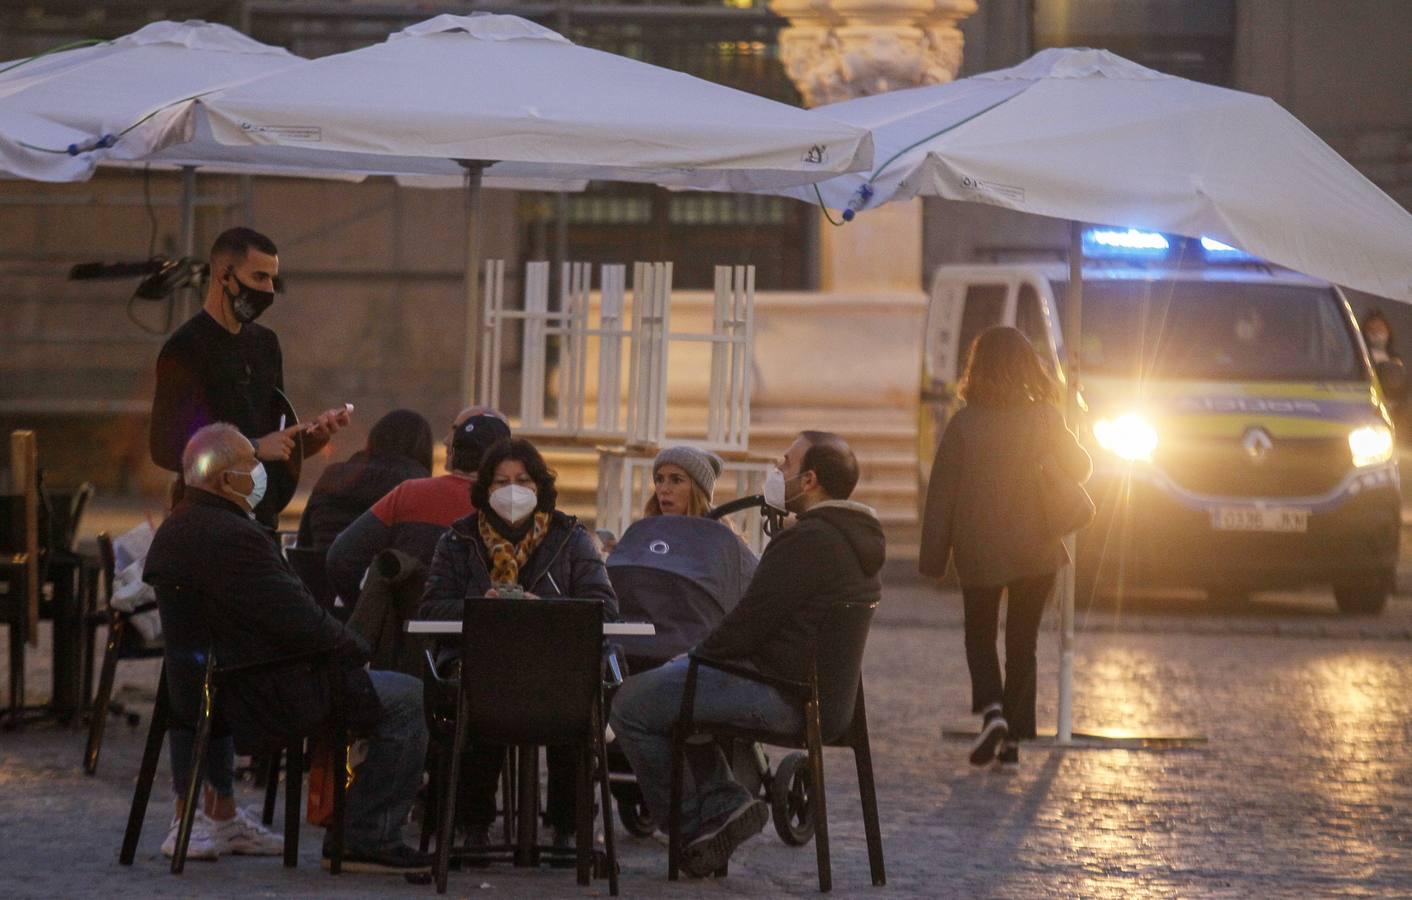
131 594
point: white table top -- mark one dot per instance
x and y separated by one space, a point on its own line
610 629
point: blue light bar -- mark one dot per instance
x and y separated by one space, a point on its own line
1127 242
1217 251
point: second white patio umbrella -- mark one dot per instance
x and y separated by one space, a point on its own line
1089 136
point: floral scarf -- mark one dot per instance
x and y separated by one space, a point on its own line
506 558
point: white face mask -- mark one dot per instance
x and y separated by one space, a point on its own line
261 482
513 502
774 490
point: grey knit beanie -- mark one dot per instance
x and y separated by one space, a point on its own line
703 466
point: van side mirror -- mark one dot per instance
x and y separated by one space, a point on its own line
1392 375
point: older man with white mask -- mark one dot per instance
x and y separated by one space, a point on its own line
252 609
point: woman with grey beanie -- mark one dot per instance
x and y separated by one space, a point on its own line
683 480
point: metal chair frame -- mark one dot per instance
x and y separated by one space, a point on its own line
592 753
805 695
294 769
115 651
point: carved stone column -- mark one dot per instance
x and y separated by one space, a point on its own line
837 50
840 49
848 359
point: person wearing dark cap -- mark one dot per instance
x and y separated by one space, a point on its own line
413 516
683 482
399 448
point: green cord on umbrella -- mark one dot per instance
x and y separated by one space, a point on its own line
89 42
824 208
865 190
109 140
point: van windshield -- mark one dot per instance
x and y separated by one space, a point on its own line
1221 331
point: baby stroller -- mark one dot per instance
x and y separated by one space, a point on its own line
685 574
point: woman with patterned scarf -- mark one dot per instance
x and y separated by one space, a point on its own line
515 544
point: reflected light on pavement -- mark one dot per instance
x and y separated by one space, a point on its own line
1353 723
1123 691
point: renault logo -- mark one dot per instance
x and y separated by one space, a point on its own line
1257 444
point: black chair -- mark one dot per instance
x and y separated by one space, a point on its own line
123 643
65 584
63 514
294 772
18 564
440 705
531 676
309 565
831 704
187 655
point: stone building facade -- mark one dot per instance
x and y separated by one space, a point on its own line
374 315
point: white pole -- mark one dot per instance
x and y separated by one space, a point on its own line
1073 322
474 318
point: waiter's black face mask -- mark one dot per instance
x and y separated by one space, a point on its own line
248 303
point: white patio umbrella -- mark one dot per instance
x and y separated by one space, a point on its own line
64 113
501 94
1088 136
60 112
106 89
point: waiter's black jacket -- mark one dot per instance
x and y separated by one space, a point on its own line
205 374
831 555
252 608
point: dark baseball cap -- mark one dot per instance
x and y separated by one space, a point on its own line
478 433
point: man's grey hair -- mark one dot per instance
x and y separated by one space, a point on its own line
211 450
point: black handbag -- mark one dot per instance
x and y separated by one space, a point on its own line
1064 505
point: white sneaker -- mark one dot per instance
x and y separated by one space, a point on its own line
246 835
201 846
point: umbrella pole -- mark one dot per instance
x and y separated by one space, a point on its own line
1073 320
188 235
475 318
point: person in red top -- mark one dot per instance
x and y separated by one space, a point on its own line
413 516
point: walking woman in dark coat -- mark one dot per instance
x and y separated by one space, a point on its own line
983 512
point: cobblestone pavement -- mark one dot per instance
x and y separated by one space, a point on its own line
1302 788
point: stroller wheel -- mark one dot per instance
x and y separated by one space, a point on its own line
636 818
791 803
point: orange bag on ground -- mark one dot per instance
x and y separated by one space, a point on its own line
321 785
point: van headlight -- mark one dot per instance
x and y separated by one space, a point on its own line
1129 436
1370 445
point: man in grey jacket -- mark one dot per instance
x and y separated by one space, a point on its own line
833 553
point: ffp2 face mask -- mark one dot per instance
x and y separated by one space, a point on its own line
513 502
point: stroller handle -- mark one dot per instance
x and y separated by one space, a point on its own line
774 518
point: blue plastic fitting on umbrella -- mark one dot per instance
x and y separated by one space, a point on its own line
860 200
101 143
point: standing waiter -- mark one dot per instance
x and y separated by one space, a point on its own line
222 367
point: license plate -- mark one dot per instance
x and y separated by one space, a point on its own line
1273 518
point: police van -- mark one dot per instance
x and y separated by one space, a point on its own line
1240 435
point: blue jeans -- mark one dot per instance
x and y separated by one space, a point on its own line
385 785
648 706
220 762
